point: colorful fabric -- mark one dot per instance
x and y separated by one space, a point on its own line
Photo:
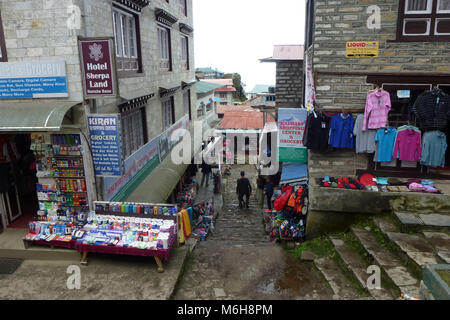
341 131
365 140
408 145
385 139
378 105
434 146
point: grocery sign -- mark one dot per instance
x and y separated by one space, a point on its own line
291 130
358 49
98 68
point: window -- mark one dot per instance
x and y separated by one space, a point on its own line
424 20
164 48
270 98
185 52
183 7
3 57
134 130
187 103
201 110
126 33
168 113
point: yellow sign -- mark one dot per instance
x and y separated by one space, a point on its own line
355 49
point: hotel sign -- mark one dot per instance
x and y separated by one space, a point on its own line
98 68
362 49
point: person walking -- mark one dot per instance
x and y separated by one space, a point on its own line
268 191
206 171
243 188
260 183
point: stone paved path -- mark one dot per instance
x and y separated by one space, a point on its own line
239 262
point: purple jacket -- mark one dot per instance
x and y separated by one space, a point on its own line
408 145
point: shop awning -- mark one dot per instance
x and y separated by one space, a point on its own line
34 115
293 172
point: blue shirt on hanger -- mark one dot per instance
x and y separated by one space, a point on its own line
385 139
341 131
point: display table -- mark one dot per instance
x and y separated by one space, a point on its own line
59 244
160 254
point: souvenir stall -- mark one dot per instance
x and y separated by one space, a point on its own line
201 217
287 220
402 131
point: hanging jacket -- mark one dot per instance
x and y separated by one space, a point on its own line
408 145
365 140
434 146
385 139
341 131
432 108
378 105
317 132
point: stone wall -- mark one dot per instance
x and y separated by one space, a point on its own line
260 100
289 83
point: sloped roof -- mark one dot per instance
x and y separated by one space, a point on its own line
225 90
207 70
261 88
224 109
224 82
241 120
204 87
286 52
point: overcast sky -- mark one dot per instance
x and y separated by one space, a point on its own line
233 35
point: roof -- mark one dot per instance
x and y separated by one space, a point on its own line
207 70
225 90
224 109
241 120
204 87
261 88
293 172
224 82
286 52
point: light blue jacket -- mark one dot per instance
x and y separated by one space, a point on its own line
434 146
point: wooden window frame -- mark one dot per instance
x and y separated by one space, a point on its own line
128 124
166 125
120 59
433 16
183 7
187 103
185 62
4 56
164 64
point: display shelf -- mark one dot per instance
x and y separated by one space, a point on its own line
66 156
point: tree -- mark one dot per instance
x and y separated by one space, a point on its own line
237 83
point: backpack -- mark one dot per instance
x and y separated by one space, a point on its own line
281 201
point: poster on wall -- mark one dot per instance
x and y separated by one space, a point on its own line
310 91
291 130
137 167
106 144
360 49
33 79
165 142
98 68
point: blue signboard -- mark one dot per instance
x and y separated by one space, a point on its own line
106 141
26 80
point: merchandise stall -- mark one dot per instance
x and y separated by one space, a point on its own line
287 221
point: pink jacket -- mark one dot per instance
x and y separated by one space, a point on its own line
378 105
408 145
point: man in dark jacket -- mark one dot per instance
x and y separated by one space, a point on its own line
268 191
206 170
243 188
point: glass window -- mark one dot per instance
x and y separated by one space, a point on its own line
444 6
133 131
164 47
125 33
168 113
418 6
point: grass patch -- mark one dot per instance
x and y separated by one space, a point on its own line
445 275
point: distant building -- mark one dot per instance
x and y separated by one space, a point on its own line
208 73
206 102
289 74
260 89
225 93
262 95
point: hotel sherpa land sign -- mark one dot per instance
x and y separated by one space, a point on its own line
98 67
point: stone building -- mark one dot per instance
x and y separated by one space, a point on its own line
289 75
154 54
225 92
410 54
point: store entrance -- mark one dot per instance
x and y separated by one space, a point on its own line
18 197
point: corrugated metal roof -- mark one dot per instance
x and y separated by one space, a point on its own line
261 88
241 120
225 90
224 109
204 87
224 82
208 70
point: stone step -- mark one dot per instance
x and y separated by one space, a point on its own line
342 288
358 267
393 267
441 243
431 220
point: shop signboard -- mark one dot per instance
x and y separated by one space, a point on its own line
106 144
33 79
361 49
291 129
165 141
98 68
136 168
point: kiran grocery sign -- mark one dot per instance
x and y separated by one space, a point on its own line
33 79
357 49
98 68
291 130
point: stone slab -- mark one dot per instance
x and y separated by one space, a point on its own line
435 220
385 225
415 247
444 255
219 292
408 218
400 276
308 256
440 241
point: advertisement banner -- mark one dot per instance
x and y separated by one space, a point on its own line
98 68
165 143
291 130
106 144
33 79
360 49
310 91
137 167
